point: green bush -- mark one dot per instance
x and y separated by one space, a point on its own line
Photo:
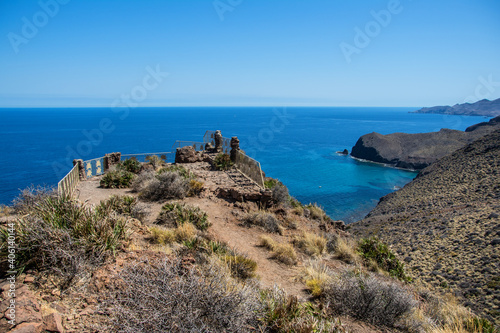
117 179
130 165
374 249
62 236
280 194
174 214
124 205
223 162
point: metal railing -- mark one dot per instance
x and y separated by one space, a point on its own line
167 157
209 138
249 167
68 184
198 146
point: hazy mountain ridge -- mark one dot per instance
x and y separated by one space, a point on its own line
483 107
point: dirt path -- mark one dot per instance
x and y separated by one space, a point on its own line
225 225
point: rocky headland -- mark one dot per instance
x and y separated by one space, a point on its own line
483 107
446 226
417 151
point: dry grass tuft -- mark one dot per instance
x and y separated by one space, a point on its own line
311 244
266 220
282 252
164 236
316 276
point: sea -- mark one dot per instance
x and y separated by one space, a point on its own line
297 145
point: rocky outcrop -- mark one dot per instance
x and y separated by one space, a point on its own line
480 108
445 225
188 155
417 151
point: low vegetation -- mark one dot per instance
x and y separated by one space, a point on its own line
163 186
282 252
368 297
223 162
373 249
176 214
117 179
263 219
64 237
130 165
311 244
280 195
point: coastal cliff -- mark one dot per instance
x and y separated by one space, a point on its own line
483 107
417 151
446 226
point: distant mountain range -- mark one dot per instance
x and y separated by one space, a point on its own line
483 107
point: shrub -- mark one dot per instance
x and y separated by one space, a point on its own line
185 173
223 162
5 210
283 313
310 243
130 165
177 214
164 236
60 235
155 161
374 249
117 179
345 249
167 185
282 252
239 265
195 187
164 296
316 212
367 297
115 203
30 197
280 195
316 276
266 220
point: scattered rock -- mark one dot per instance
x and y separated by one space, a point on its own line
53 323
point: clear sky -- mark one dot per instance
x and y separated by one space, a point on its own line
248 52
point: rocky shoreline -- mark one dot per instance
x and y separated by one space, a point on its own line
417 151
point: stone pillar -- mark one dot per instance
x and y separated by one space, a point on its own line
81 169
235 147
218 141
111 159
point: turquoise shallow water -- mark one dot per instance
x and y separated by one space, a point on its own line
296 145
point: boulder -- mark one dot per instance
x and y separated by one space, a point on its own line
53 322
187 155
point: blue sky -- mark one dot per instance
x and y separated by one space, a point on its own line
248 52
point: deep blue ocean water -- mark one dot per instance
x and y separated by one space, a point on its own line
296 145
